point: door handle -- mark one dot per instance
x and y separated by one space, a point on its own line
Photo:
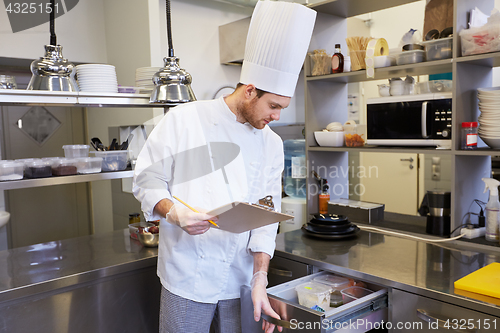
424 315
423 117
407 159
280 272
277 322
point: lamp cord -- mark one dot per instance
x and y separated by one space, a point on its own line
53 38
169 32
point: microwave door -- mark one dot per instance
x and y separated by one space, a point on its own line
398 120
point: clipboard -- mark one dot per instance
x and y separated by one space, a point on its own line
238 217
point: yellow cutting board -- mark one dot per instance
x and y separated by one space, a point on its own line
484 281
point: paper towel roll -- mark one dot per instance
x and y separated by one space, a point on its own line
376 47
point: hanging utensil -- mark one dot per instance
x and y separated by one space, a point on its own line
112 146
97 144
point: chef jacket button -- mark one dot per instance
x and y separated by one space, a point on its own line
224 260
216 124
202 256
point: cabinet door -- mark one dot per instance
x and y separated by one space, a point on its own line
414 313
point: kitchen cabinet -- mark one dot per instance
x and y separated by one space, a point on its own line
416 313
326 101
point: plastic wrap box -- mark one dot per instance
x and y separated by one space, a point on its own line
480 40
359 211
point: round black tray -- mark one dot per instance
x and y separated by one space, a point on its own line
329 236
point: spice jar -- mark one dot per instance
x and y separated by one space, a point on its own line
469 135
134 218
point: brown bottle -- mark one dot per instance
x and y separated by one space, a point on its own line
337 60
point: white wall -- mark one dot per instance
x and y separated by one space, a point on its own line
79 31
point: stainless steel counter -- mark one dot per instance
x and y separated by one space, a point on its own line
417 267
86 284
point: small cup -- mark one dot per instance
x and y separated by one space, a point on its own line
7 82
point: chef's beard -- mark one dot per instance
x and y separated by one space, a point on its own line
249 112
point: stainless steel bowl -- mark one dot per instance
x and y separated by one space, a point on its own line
148 239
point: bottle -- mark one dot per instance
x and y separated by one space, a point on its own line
492 209
337 60
134 218
324 197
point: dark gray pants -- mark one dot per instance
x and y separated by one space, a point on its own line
180 315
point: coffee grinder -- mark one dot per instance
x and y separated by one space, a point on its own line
438 218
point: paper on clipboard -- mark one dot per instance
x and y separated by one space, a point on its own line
238 217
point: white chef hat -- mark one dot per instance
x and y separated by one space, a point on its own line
277 43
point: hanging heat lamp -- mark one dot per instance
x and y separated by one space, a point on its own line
172 83
52 72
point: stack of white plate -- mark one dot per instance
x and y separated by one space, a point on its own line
97 78
489 120
144 77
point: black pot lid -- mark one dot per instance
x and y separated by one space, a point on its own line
329 219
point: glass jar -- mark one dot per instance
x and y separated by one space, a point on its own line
7 82
469 135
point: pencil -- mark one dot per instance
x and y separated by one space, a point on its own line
194 210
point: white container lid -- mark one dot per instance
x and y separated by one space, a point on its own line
333 281
87 159
313 288
11 163
37 163
110 152
76 146
63 161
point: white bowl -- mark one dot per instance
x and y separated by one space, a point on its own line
491 142
4 218
329 139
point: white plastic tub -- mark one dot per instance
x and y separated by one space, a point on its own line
38 169
312 293
76 151
438 49
11 170
113 160
333 281
64 166
86 165
411 57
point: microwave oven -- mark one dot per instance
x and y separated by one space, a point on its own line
410 120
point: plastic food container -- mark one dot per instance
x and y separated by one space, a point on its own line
353 293
384 61
333 281
75 151
355 134
435 86
26 160
133 228
438 48
64 167
11 170
410 57
86 165
52 160
38 169
313 293
113 160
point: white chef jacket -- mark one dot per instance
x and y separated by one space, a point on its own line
212 266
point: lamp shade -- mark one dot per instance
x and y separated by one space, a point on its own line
172 84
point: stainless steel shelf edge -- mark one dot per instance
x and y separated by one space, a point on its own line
485 59
61 180
81 99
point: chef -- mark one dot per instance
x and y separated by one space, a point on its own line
201 268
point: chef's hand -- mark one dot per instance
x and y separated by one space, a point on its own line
191 222
261 302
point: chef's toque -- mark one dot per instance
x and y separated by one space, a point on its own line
277 43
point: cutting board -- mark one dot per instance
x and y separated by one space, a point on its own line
484 281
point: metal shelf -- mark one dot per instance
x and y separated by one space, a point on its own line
479 152
348 8
78 99
62 180
423 68
379 149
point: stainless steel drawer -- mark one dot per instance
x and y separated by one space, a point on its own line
414 313
282 270
360 315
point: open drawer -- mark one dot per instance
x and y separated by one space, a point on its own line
360 315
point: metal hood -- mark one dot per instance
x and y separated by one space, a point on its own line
232 40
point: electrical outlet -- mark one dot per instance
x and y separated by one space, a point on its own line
473 233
